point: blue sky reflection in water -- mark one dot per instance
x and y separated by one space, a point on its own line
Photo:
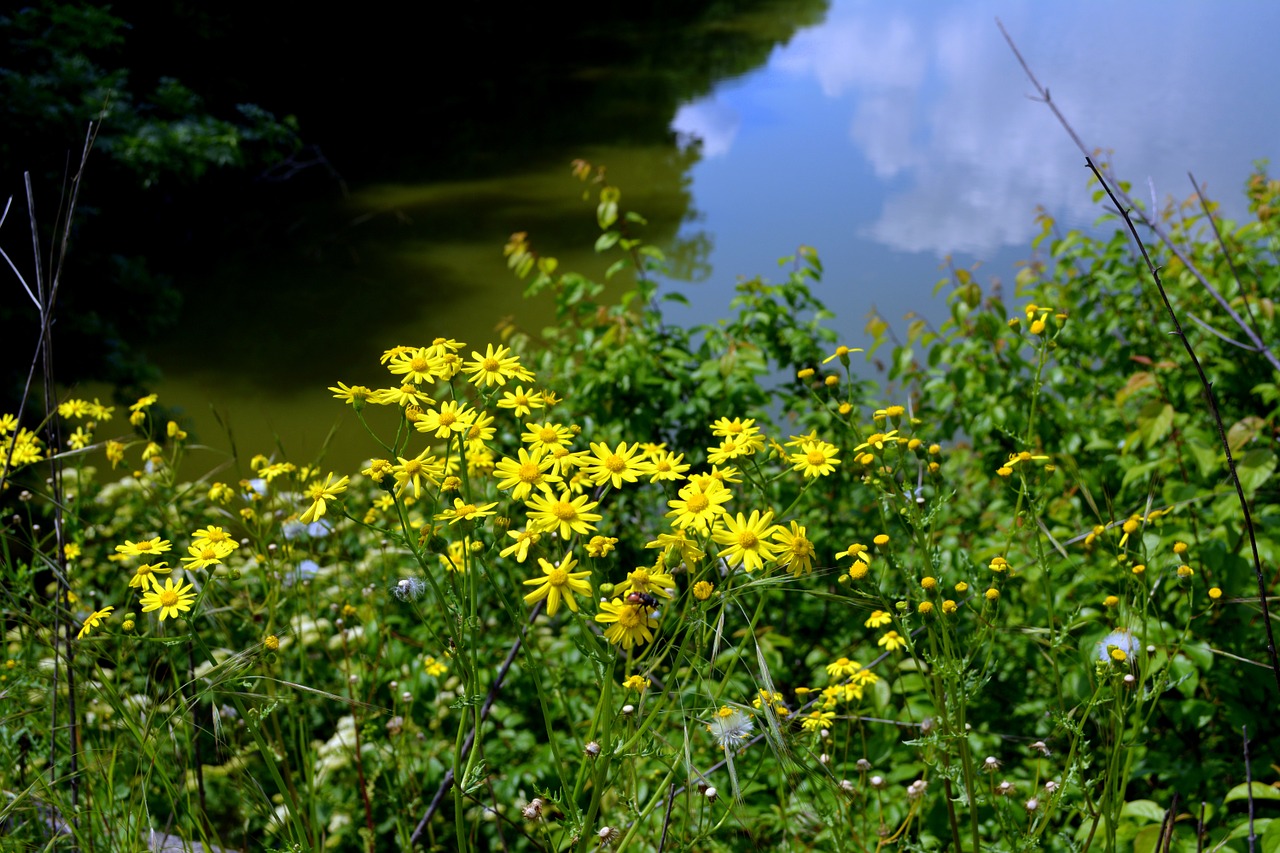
894 134
887 136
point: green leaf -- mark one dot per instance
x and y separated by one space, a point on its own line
1148 810
1260 792
1270 838
1255 468
607 240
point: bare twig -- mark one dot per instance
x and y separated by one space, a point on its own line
1212 401
1146 219
1226 253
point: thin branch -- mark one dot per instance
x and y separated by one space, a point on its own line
1147 220
1211 330
1248 783
1207 387
1226 254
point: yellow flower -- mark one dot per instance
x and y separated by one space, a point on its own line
411 472
144 577
567 514
878 619
320 493
601 546
1215 593
881 539
638 683
629 624
452 417
747 539
352 395
271 642
817 720
842 668
522 401
929 583
842 353
892 641
614 467
815 459
208 554
170 600
649 581
462 511
702 590
796 550
524 538
558 582
698 507
665 465
92 620
546 436
144 548
433 667
495 367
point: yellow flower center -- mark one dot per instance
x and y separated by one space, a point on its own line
521 400
747 539
168 598
548 436
615 463
412 468
490 364
144 546
419 365
465 511
448 419
697 503
564 511
208 554
816 457
558 577
629 617
529 472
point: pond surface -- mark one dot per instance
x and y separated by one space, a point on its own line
887 136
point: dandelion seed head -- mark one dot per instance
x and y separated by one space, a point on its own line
409 589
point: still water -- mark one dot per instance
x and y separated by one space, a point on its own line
888 136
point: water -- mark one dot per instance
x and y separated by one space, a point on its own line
887 136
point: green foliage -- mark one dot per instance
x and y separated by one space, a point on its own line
1008 607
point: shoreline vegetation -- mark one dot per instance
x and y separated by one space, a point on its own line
617 583
588 592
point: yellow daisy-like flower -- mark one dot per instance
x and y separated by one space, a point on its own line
321 492
616 466
144 577
406 395
415 365
815 459
747 539
679 541
546 436
462 511
735 447
649 581
702 590
842 353
558 582
842 668
664 465
796 551
726 428
892 641
879 440
170 600
629 624
522 401
411 472
144 548
567 514
208 554
495 367
452 417
698 506
524 538
521 475
93 620
878 619
817 720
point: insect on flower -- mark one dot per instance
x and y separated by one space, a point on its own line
642 598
